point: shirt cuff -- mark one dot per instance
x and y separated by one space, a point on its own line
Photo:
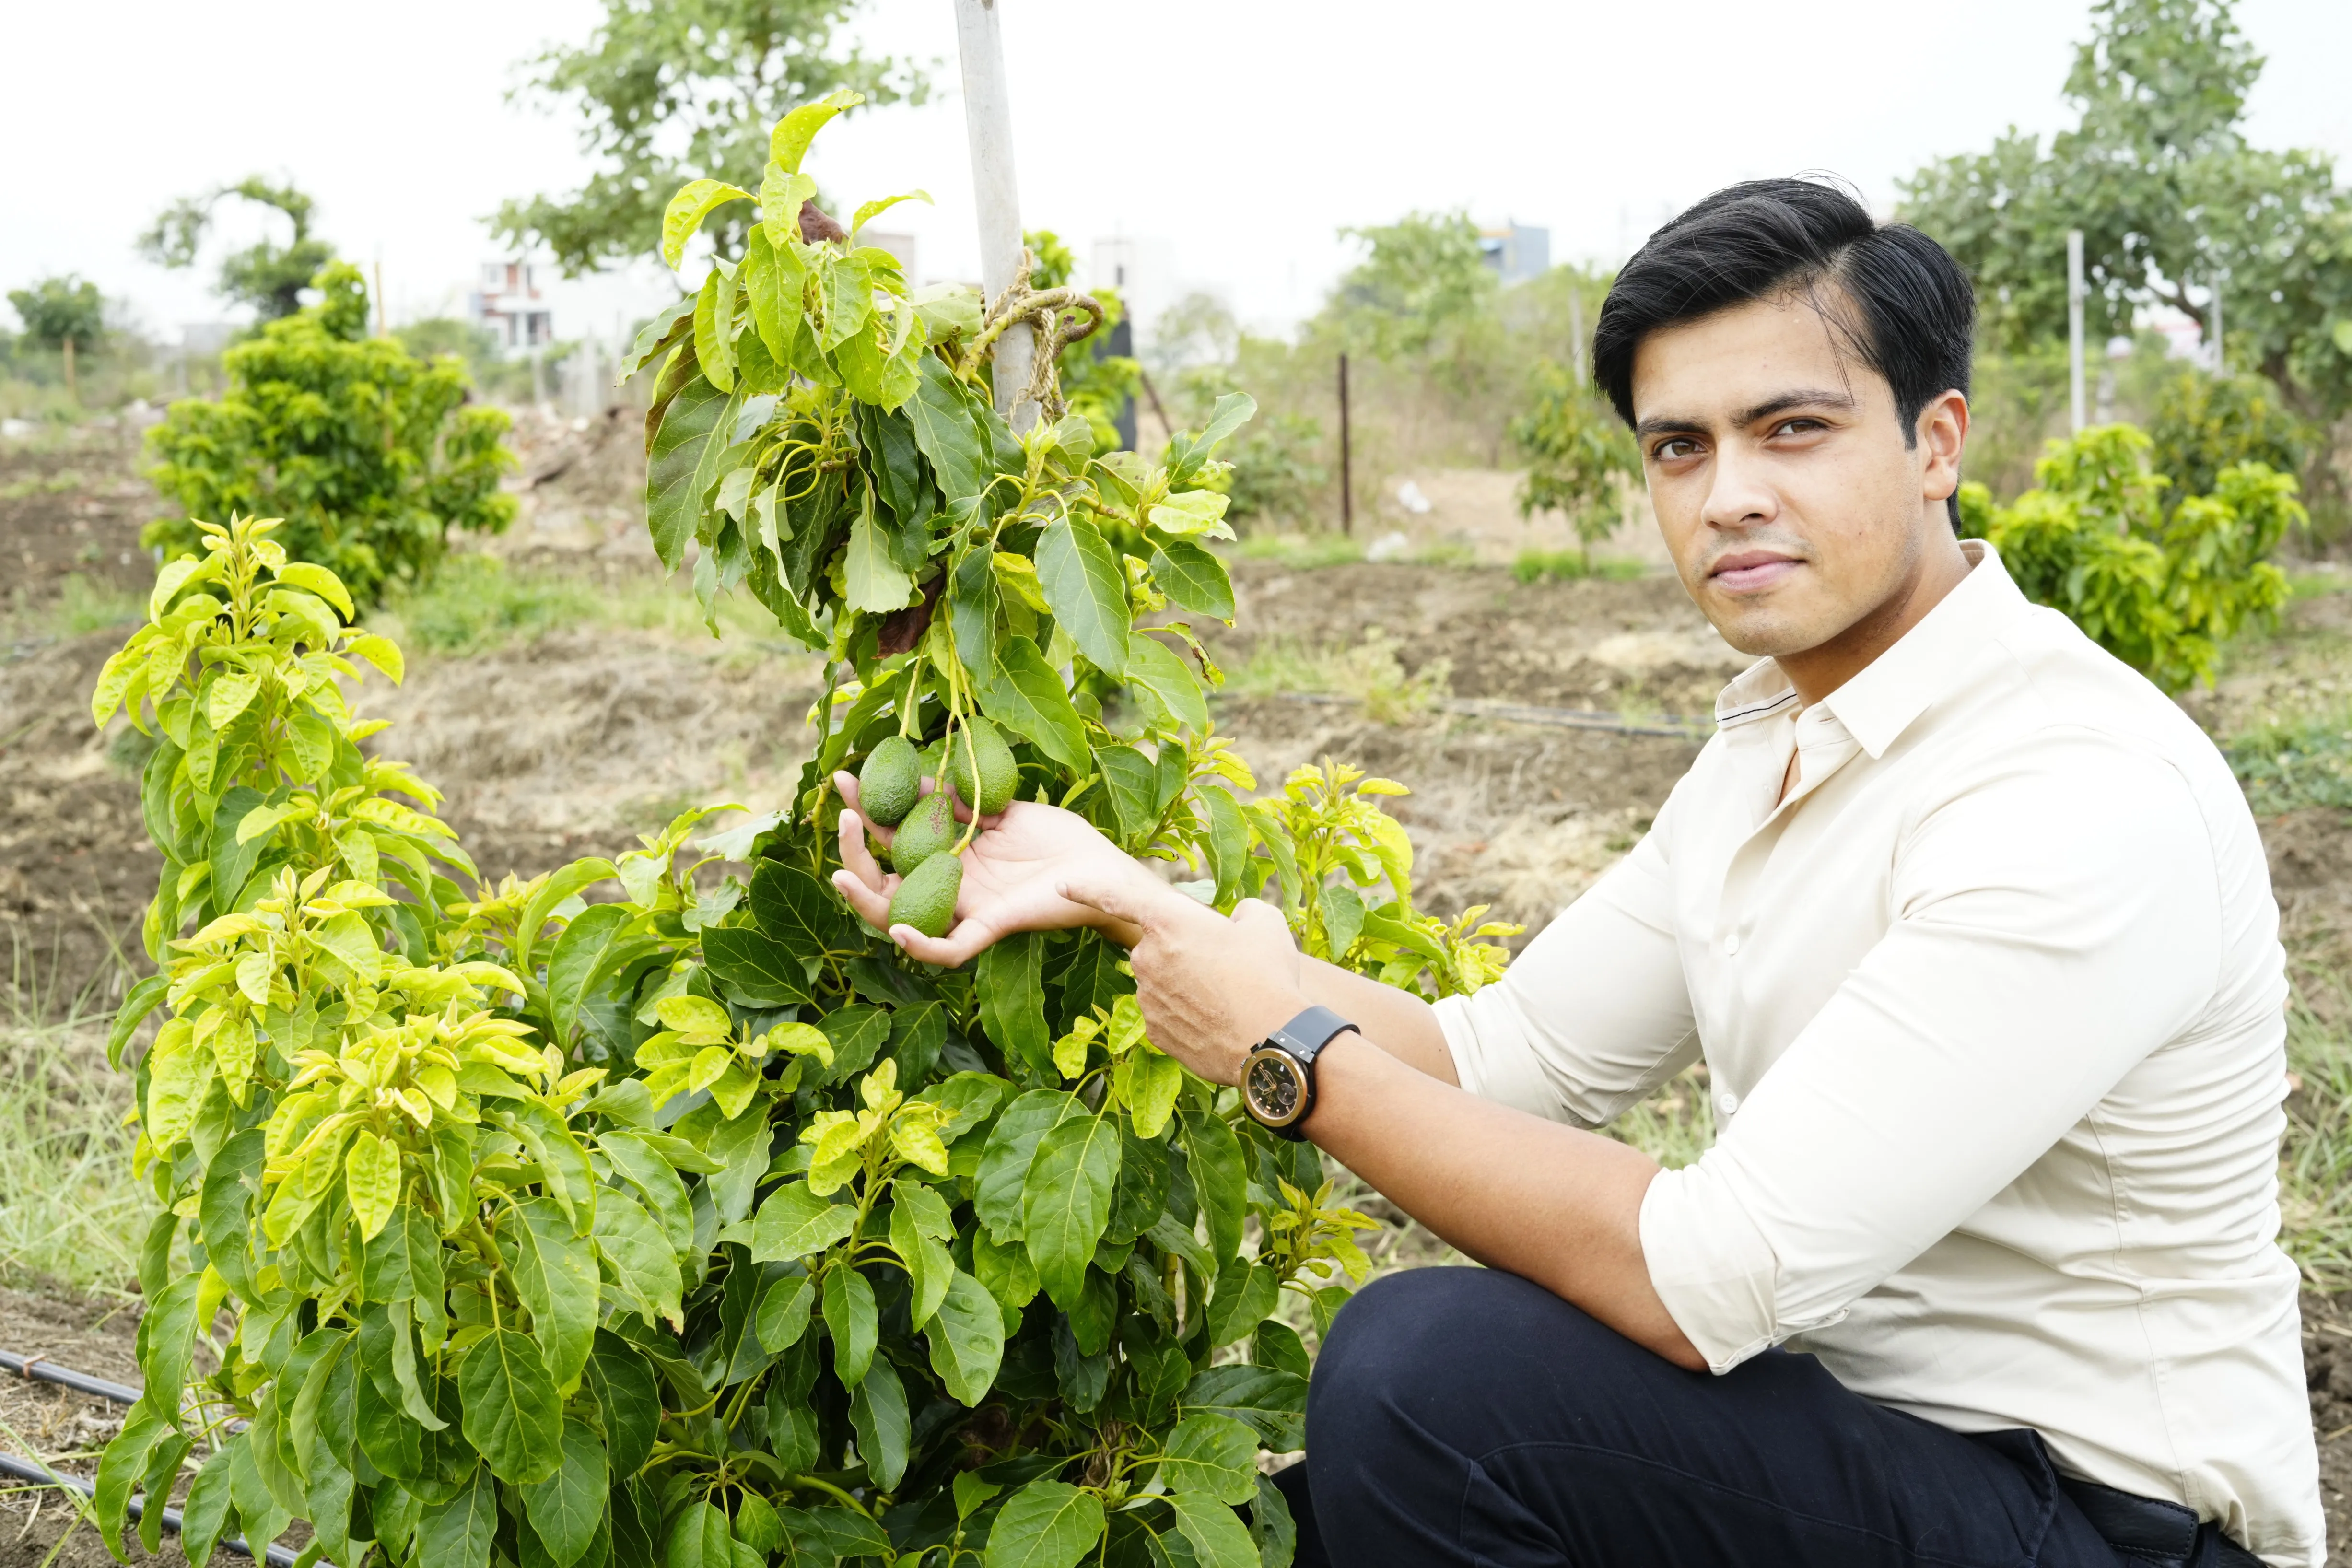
1710 1265
1492 1058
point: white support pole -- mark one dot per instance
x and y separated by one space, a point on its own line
988 123
2074 325
2220 365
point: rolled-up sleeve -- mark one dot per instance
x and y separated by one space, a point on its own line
1596 1012
2056 918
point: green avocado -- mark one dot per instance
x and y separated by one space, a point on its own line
927 898
929 828
998 777
887 783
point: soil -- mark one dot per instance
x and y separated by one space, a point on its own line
578 741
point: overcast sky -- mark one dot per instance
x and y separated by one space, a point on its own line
1235 136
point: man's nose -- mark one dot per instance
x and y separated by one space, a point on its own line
1740 495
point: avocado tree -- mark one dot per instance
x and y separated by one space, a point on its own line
266 275
369 453
697 1225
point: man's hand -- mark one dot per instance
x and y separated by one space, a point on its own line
1211 987
1011 870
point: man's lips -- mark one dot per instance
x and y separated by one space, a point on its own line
1750 571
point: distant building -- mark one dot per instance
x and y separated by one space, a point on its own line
1141 271
508 303
1516 251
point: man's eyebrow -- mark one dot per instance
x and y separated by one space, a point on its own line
1669 424
1803 398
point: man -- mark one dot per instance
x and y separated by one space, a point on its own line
1974 933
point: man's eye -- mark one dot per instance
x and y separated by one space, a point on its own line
1800 426
1674 447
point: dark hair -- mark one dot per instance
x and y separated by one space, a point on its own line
1767 238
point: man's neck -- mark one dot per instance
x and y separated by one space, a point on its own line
1820 669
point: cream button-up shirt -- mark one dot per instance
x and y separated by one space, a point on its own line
1992 1008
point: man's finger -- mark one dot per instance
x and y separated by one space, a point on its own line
960 946
845 786
855 857
1117 900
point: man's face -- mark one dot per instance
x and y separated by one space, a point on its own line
1794 508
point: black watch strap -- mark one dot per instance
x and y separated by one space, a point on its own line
1310 1032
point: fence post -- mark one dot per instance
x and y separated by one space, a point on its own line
1346 465
988 125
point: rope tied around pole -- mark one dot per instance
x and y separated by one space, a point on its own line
1061 316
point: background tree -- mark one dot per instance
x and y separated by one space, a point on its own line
370 453
64 314
1576 448
2171 200
266 275
662 88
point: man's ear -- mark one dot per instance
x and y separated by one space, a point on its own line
1942 432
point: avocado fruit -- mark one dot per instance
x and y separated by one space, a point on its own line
928 830
926 899
998 776
889 782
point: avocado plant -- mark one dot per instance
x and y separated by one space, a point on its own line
698 1226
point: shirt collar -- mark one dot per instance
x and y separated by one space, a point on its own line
1883 698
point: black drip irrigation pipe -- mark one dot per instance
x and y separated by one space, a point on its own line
26 1470
43 1370
46 1371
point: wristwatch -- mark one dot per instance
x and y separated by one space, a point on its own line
1278 1075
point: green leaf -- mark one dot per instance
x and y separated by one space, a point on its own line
371 1181
1192 577
1246 1295
641 1256
457 1533
512 1416
204 1517
634 1159
1191 513
1083 583
1216 1535
877 1413
673 499
972 610
794 1222
1213 1454
1270 1402
601 942
928 1266
798 911
875 581
561 884
1133 784
783 1316
1233 411
849 1318
403 1261
555 1275
1010 981
1151 666
1025 694
868 211
1271 1526
630 1402
698 1538
967 1340
1011 1146
657 338
1046 1524
1220 1177
695 201
1343 918
232 1187
944 429
566 1509
165 1341
789 142
759 970
119 1470
1066 1202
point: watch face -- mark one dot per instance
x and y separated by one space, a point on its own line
1272 1082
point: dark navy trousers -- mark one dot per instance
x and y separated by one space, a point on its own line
1466 1417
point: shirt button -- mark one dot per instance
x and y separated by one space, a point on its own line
1731 945
1727 1103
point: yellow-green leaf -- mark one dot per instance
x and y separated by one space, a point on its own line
789 142
695 201
372 1182
380 651
315 579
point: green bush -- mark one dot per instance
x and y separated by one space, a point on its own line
1575 446
2160 591
369 453
2205 424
